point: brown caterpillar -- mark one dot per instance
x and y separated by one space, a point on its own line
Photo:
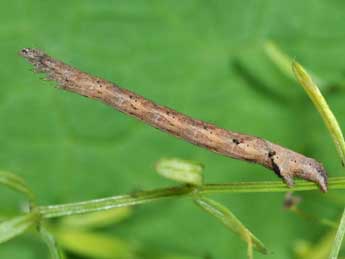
286 163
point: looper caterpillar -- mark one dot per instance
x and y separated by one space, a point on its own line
286 163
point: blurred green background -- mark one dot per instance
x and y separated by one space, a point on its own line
202 58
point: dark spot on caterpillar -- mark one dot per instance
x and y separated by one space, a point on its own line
205 127
271 153
167 113
236 141
275 167
98 82
25 51
135 108
131 97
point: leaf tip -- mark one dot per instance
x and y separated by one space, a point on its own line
298 70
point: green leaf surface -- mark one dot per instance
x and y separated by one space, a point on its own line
183 55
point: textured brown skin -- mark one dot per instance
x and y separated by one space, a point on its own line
286 163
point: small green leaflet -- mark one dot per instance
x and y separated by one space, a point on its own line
180 170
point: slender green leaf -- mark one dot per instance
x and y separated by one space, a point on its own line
232 222
16 226
93 245
16 183
321 105
338 238
333 126
97 219
53 247
180 170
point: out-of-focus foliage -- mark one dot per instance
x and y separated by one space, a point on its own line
97 219
204 58
179 170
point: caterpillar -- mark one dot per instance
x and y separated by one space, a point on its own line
286 163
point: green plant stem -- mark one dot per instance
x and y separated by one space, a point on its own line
185 190
112 202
